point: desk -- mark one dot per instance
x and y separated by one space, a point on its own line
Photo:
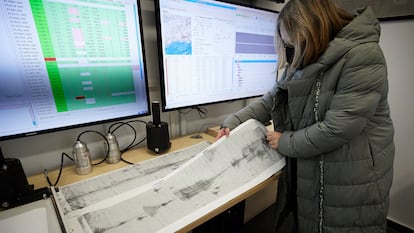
69 174
140 154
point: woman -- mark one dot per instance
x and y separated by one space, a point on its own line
331 118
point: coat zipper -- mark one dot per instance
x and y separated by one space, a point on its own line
321 160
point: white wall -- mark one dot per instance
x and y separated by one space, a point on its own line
397 40
43 151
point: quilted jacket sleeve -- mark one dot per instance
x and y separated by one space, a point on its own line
353 94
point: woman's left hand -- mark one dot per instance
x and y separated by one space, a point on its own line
273 138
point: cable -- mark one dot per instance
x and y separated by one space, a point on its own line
45 172
197 135
120 124
131 145
136 144
202 112
103 136
126 161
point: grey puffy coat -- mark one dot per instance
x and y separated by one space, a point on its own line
345 160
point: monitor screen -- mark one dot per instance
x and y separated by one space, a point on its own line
212 51
69 63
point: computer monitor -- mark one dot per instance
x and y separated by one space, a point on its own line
70 63
213 51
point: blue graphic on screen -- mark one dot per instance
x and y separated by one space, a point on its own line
178 48
177 33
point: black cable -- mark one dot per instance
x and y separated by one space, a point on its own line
126 149
133 129
126 161
136 144
197 135
139 142
123 123
63 153
137 121
116 123
202 112
131 145
45 172
103 136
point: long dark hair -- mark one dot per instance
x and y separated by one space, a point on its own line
310 25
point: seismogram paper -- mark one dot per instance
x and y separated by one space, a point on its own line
169 192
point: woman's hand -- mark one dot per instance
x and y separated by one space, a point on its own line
273 138
223 132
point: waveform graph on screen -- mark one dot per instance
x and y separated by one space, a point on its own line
89 54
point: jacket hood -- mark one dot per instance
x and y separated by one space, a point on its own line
364 28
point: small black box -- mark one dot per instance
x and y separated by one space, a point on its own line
158 138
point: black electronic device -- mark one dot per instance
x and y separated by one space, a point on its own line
158 137
15 189
156 117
